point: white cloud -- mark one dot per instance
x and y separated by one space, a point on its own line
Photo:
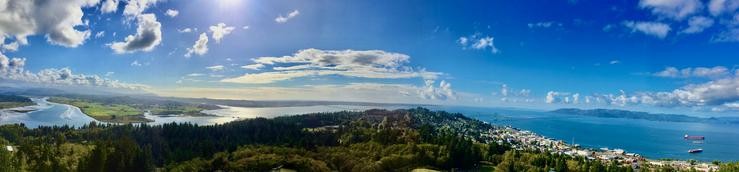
100 34
12 70
524 93
713 93
565 98
13 46
701 72
172 13
718 94
442 92
136 63
698 24
283 19
614 62
219 31
148 35
656 29
256 66
673 9
730 35
576 98
195 75
135 8
478 42
463 40
245 27
504 90
348 63
544 24
215 68
508 94
109 6
200 47
552 97
57 20
185 30
718 7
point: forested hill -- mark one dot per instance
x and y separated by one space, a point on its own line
373 140
11 101
613 113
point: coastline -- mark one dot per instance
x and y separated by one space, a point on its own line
532 141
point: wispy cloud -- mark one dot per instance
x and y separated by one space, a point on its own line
349 63
697 25
220 30
215 68
701 72
172 13
478 42
672 9
284 19
544 24
200 47
656 29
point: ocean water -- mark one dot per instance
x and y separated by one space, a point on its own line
652 139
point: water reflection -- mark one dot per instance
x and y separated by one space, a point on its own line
45 113
229 113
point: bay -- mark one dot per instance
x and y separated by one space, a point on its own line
652 139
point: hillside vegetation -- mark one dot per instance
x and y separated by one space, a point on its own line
13 101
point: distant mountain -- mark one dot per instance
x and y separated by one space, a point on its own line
613 113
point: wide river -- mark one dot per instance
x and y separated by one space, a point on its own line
652 139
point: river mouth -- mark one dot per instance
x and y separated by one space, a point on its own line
45 113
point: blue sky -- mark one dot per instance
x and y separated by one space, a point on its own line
661 56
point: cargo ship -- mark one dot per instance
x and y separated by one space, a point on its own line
695 151
689 137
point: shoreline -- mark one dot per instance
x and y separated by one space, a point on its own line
533 141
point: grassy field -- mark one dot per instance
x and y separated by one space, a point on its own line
97 109
5 105
129 110
117 113
188 110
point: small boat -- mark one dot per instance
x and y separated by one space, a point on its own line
695 151
689 137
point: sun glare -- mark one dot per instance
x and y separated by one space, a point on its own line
230 4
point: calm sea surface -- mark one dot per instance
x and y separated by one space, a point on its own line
652 139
